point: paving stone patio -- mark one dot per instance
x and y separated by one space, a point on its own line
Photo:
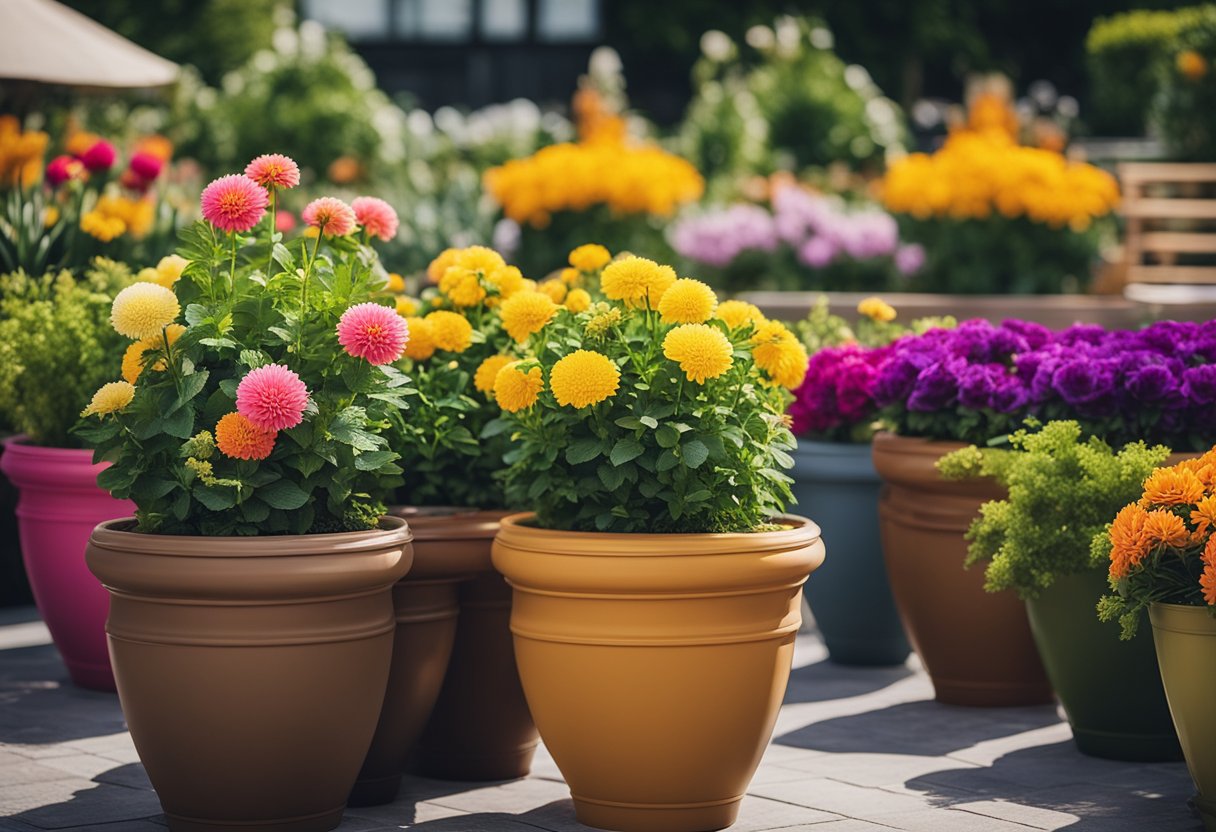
854 750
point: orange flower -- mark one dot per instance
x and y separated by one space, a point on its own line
1164 528
1204 515
239 438
1129 542
1172 487
1208 579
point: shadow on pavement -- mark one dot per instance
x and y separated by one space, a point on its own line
40 705
826 680
135 805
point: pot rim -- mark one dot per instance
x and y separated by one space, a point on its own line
20 443
626 544
1182 618
111 535
898 443
444 523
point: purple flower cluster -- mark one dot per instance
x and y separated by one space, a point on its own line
718 238
836 396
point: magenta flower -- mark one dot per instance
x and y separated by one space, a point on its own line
234 203
331 216
274 170
61 169
376 216
373 332
99 157
272 397
146 166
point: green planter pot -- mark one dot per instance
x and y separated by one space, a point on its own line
850 598
1186 652
1110 689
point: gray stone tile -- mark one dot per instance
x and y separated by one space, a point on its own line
516 797
758 814
62 804
839 798
1035 816
950 820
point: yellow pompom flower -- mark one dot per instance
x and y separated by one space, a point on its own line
737 314
480 259
406 306
451 332
421 344
142 310
777 352
876 309
487 372
554 289
507 280
584 378
515 389
133 358
688 301
578 300
110 398
169 270
590 257
570 276
525 313
101 226
636 280
440 265
462 286
701 351
395 283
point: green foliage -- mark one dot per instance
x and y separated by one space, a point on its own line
1062 491
821 328
56 348
1184 113
327 474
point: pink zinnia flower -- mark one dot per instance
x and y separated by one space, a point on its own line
376 216
272 397
234 203
332 216
100 156
374 332
284 221
145 166
273 170
61 169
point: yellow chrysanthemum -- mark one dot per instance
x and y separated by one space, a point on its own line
480 259
781 355
406 306
101 226
578 300
688 301
421 344
142 310
525 313
487 372
570 276
133 358
508 280
877 309
169 270
395 283
110 398
738 313
554 289
590 257
451 332
636 280
701 351
516 390
462 286
584 378
440 265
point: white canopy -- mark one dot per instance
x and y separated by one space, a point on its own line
49 43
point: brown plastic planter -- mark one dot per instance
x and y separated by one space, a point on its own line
655 664
251 670
976 646
450 546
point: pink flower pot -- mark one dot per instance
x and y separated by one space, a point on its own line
60 503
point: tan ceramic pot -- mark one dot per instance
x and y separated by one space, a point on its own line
1186 652
976 646
655 665
480 728
251 670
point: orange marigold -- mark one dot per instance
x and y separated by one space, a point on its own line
1164 528
1207 581
239 438
1128 541
1203 515
1172 487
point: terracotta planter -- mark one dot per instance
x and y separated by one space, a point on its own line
850 596
1086 660
481 728
655 664
60 503
976 646
1186 651
251 671
450 546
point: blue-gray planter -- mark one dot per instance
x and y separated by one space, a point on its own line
837 486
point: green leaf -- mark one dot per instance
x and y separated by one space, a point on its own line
283 494
215 497
629 422
179 423
626 449
649 421
667 436
373 460
610 476
694 452
583 450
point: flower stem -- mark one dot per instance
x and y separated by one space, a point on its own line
164 334
274 209
232 271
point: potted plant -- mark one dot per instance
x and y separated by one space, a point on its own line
657 582
56 348
977 383
834 417
1163 559
1063 489
251 617
454 674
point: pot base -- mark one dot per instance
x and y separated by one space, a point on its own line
1207 811
91 676
464 765
375 792
979 695
657 817
322 822
1138 748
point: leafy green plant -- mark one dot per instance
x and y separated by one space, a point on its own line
647 412
306 452
1182 113
1063 490
56 348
